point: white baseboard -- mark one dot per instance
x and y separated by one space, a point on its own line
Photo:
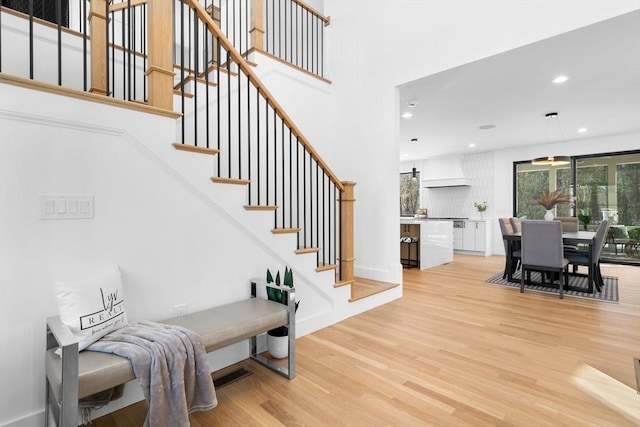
35 419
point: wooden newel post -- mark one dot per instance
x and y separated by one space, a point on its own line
346 232
257 24
98 27
160 71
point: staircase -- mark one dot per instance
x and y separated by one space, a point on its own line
225 112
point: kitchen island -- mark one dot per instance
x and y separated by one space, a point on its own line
435 240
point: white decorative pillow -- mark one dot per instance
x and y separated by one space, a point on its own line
93 307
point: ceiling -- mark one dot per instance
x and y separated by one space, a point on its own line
514 90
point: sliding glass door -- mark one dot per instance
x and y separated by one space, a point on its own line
602 186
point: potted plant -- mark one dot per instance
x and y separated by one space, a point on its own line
549 200
277 338
481 207
584 219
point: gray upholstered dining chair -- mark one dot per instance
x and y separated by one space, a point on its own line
570 224
542 251
582 257
515 224
512 260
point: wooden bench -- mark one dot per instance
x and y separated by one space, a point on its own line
75 375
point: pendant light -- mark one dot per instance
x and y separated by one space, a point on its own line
552 160
414 171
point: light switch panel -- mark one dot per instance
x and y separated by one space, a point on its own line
62 206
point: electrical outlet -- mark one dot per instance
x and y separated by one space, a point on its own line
179 310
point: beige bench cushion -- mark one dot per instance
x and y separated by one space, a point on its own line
218 327
230 323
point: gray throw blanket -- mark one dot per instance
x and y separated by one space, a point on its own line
171 366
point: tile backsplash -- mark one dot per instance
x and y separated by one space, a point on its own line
458 201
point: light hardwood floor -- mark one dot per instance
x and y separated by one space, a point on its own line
454 351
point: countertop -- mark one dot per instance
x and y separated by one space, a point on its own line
419 220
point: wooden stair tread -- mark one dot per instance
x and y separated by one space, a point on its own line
326 267
307 250
285 230
362 288
236 181
343 283
260 207
194 149
198 79
186 94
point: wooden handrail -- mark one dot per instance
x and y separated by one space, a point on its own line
324 19
246 68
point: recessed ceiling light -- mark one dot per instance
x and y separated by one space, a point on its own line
405 155
582 130
560 79
486 127
414 140
412 103
407 115
472 145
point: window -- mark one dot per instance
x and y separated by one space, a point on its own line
530 180
604 186
409 194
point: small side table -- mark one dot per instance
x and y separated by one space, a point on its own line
409 242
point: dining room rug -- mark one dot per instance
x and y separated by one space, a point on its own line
608 293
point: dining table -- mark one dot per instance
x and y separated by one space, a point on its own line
572 238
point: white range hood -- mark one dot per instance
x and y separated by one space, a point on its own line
444 172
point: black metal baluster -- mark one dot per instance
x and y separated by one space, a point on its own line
196 63
59 27
239 125
259 177
304 195
182 6
31 39
338 223
111 78
206 84
322 51
246 27
266 145
311 198
324 224
127 47
249 174
83 18
308 29
229 114
219 136
275 167
283 174
144 50
298 187
1 43
124 57
318 210
266 24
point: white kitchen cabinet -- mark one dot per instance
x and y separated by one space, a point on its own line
474 237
